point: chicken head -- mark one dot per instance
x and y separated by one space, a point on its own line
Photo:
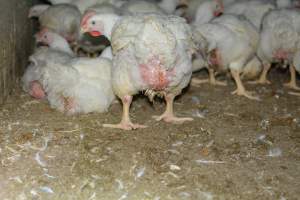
44 36
91 24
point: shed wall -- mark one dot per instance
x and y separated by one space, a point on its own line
15 43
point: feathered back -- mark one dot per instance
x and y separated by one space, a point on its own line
254 10
103 8
134 7
283 25
152 35
241 26
61 18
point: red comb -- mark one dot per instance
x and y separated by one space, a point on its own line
86 17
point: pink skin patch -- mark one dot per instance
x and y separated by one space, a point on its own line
44 36
215 58
36 90
219 11
154 74
280 54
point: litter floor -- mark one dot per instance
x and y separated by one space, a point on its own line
235 148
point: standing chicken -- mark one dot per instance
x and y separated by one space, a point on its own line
152 53
231 42
279 42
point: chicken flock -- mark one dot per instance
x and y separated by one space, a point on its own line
153 47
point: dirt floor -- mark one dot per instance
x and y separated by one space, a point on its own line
234 149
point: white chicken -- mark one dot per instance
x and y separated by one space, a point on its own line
71 85
279 42
202 10
137 6
82 5
63 19
253 10
231 42
169 6
90 44
59 51
54 41
30 79
82 85
152 53
207 11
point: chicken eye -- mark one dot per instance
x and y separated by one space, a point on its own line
45 36
93 22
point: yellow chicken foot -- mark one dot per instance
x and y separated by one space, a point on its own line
294 93
212 80
263 76
292 84
241 91
125 123
168 115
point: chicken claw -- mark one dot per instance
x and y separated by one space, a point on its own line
263 77
125 123
294 93
168 115
260 81
125 126
212 80
172 119
245 94
292 84
196 82
241 91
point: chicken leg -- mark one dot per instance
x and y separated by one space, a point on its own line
292 84
125 123
168 115
294 93
241 91
263 77
212 80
